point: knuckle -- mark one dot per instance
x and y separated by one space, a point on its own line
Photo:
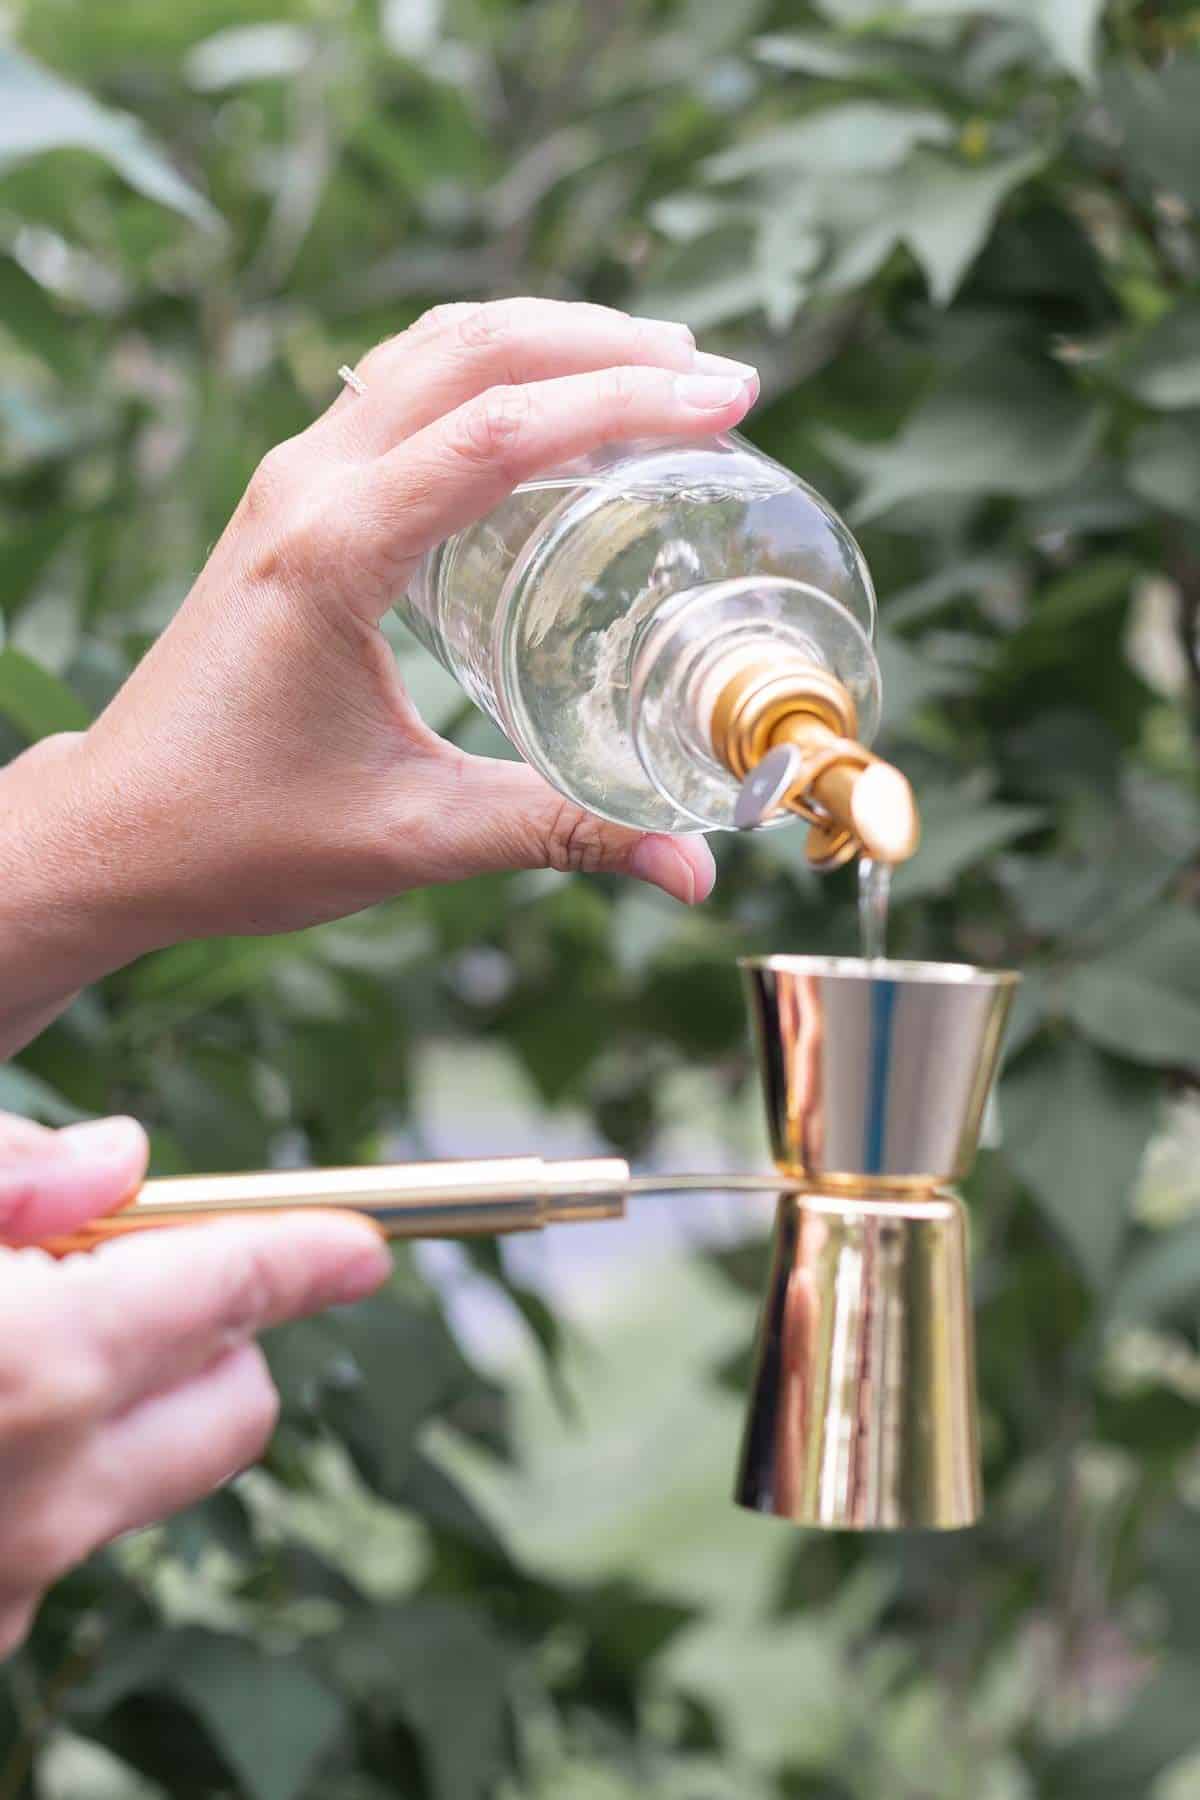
60 1397
619 387
304 546
575 842
645 337
486 327
270 480
369 366
249 1289
447 314
494 425
381 357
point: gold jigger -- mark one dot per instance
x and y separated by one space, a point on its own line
875 1074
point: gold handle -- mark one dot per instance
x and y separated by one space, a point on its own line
498 1194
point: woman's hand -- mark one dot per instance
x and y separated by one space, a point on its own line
130 1384
263 769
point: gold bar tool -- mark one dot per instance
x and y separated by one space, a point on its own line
495 1195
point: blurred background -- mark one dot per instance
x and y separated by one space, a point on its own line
491 1555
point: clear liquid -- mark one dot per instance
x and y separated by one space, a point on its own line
874 892
539 608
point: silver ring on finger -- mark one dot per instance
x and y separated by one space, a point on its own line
354 382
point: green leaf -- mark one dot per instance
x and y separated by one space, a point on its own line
1161 1282
1163 368
912 678
187 979
958 831
1068 28
211 1107
271 1719
345 1369
1076 1123
1127 1013
1143 999
1121 1761
1000 426
242 53
35 320
811 53
1174 1565
27 1094
1163 465
941 209
705 282
439 1667
1156 114
36 702
717 31
40 112
861 135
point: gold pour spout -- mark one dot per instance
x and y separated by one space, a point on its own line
804 719
492 1196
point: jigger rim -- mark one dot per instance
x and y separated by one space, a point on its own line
860 968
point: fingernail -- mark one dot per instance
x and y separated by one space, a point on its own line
102 1140
704 867
705 363
709 393
674 326
361 1275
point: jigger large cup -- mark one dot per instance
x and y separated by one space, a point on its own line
875 1074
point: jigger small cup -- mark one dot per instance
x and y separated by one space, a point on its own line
875 1077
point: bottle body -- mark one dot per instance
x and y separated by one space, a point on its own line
590 614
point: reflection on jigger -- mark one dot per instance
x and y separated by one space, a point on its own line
875 1069
862 1411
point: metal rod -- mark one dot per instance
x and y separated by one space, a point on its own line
491 1196
714 1181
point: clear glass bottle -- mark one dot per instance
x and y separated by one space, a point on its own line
598 614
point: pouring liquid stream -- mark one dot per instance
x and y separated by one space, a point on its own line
874 889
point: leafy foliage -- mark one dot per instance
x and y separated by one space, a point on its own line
961 241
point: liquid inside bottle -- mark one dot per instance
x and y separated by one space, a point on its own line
588 613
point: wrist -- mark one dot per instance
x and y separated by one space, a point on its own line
67 912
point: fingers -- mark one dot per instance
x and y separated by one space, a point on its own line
122 1473
459 468
147 1311
458 352
493 816
170 1450
128 1386
52 1181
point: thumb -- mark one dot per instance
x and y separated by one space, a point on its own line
503 815
52 1181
